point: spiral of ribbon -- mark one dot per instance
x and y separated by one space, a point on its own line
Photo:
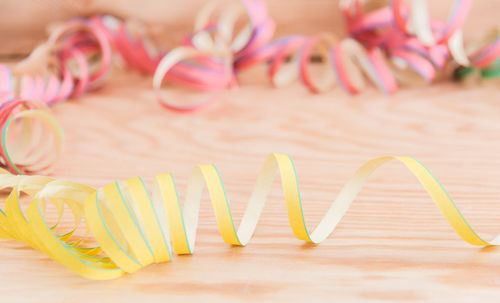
133 228
390 43
31 139
76 56
412 38
215 47
387 40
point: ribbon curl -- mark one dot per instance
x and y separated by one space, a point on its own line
76 57
31 138
215 47
134 229
390 43
408 34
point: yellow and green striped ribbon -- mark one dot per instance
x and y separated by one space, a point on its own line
132 229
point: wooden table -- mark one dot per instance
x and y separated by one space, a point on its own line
392 245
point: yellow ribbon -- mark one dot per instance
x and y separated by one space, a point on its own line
133 229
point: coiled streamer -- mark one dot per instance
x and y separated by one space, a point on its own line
390 43
409 35
215 47
31 139
75 58
133 229
78 54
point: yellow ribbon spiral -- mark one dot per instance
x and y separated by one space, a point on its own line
133 229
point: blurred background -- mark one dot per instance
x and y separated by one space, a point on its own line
23 23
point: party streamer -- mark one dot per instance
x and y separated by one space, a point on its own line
31 139
390 43
134 229
75 57
408 34
216 47
388 39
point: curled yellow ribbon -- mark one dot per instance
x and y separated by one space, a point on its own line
134 229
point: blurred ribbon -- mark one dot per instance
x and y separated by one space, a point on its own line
214 46
121 228
76 57
390 43
411 38
388 38
31 139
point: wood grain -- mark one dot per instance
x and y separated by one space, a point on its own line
393 244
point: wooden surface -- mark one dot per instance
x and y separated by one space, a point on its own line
23 23
393 244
